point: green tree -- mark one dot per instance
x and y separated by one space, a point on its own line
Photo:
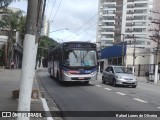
5 3
11 22
2 56
44 44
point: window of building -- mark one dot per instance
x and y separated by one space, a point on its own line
148 43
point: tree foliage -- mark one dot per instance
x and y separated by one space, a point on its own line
5 3
2 56
10 23
44 44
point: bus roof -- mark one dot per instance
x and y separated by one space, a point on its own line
77 42
70 42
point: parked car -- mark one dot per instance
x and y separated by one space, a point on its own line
119 75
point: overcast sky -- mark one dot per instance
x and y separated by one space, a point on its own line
72 14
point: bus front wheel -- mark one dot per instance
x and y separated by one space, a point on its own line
57 76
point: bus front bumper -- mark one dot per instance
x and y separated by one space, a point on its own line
80 77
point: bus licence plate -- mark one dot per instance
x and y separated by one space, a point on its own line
81 78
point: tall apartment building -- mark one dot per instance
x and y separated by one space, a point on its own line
46 27
120 19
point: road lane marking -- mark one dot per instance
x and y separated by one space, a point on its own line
98 86
137 99
46 108
120 93
107 89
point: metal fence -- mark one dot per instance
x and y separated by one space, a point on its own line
143 70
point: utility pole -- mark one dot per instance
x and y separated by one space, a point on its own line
123 37
157 36
99 56
99 67
29 57
134 52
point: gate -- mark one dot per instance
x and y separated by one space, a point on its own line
143 70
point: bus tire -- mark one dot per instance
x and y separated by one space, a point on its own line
57 76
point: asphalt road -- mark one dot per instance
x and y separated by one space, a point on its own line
101 97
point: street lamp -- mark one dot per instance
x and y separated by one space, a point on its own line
99 56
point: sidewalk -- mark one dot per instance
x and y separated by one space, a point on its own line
9 81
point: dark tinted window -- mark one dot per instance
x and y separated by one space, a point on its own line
107 69
111 69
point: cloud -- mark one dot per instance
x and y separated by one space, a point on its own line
72 14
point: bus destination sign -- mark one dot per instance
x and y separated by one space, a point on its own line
75 45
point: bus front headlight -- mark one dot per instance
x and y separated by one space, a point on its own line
66 72
93 73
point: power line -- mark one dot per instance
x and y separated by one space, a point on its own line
47 6
81 26
84 30
87 22
52 9
57 10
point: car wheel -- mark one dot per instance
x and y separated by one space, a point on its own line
114 83
134 86
103 80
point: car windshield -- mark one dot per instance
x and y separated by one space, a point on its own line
79 57
122 70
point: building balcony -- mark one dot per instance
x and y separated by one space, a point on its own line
114 8
129 24
140 8
113 21
108 32
130 0
108 15
139 26
140 1
139 32
130 12
109 3
140 14
108 26
139 20
110 39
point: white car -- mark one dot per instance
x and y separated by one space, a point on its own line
119 75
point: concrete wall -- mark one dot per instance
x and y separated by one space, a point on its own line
142 56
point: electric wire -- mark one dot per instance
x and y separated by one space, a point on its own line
52 9
84 30
57 10
87 22
81 26
47 7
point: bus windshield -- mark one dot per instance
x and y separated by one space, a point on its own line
72 58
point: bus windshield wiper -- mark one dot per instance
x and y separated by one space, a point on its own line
75 55
82 61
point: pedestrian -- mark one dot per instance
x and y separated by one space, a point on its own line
12 65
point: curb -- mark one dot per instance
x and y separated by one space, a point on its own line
44 102
48 98
46 108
